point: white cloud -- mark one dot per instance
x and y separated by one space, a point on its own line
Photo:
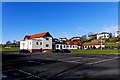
110 29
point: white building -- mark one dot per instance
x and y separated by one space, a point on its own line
75 38
117 33
103 35
86 46
65 46
37 42
63 39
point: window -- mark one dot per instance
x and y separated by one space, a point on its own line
36 43
30 43
40 43
47 38
57 46
47 45
67 46
64 46
73 46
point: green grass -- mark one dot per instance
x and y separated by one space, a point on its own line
12 49
111 44
96 51
16 49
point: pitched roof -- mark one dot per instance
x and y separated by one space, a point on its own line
91 44
104 33
43 34
73 43
92 35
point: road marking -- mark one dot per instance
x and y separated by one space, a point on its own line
105 60
30 74
89 58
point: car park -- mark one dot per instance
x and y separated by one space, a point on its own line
66 51
24 51
61 51
56 51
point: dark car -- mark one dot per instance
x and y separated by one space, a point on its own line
24 51
66 51
57 51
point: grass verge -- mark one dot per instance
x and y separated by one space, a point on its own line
12 49
97 51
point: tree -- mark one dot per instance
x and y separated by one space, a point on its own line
8 43
14 43
84 37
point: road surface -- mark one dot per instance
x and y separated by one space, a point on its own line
59 66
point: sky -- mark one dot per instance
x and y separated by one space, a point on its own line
61 19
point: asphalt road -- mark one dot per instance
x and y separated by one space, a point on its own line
59 66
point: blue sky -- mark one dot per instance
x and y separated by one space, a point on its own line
61 19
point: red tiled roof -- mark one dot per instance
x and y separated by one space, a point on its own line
91 44
26 37
75 42
36 35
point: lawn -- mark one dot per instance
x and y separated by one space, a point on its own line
97 51
12 49
112 44
16 49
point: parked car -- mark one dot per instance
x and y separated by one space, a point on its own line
66 51
57 51
24 51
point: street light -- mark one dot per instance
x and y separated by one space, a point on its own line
101 42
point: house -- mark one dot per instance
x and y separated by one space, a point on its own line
63 39
72 44
117 34
92 36
66 46
37 42
86 46
77 38
103 35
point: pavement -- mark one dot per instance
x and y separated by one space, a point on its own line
60 66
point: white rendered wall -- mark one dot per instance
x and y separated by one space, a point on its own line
26 44
106 36
65 46
49 42
35 46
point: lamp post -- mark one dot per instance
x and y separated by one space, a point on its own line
101 42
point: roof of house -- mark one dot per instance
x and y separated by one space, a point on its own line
54 38
104 33
92 35
73 43
43 34
76 37
62 38
91 44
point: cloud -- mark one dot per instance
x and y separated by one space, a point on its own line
110 29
